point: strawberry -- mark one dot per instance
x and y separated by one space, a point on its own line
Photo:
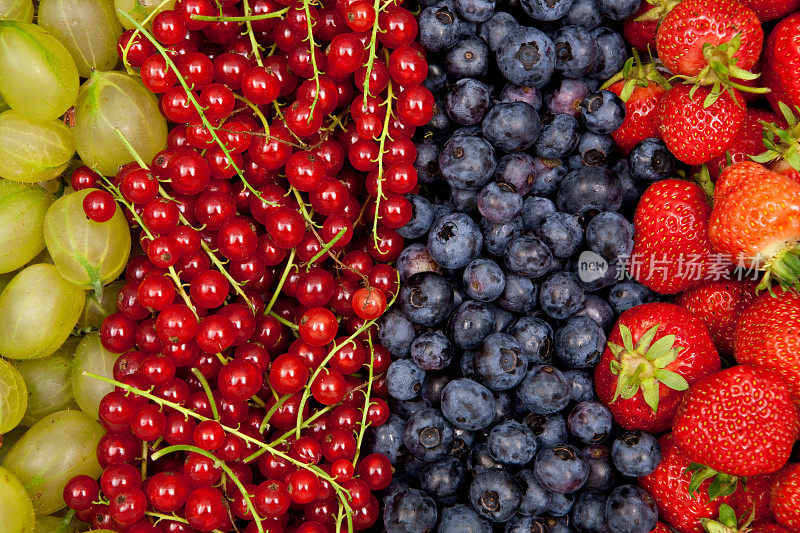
671 251
640 28
640 87
782 62
785 498
768 527
695 126
709 40
781 138
740 421
771 9
655 351
748 141
756 221
753 497
661 527
718 305
669 486
768 336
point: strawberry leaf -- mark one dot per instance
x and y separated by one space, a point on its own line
627 338
616 349
672 380
664 360
661 347
727 516
723 485
700 474
643 344
650 393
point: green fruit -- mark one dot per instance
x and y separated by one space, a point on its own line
88 28
89 254
38 310
38 77
16 510
49 524
55 449
9 439
22 210
49 382
17 10
138 10
95 311
13 397
90 356
33 150
114 100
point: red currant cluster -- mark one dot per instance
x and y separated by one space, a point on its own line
248 374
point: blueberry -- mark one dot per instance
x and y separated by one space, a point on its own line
636 454
426 298
428 435
512 443
559 521
561 469
590 422
519 295
464 438
454 240
462 519
468 58
631 509
535 499
427 162
589 512
576 52
526 56
544 390
550 430
396 332
439 126
651 160
584 13
598 310
433 386
582 385
495 496
627 294
499 202
560 295
580 343
438 28
567 97
414 259
511 126
475 10
499 363
467 162
562 233
443 479
618 9
589 189
534 211
612 53
467 404
421 218
610 235
470 324
467 101
497 236
518 170
602 112
535 337
484 280
409 511
594 150
481 461
436 78
528 256
601 474
631 190
404 379
522 93
405 408
504 407
546 10
526 524
387 439
496 30
464 200
559 136
432 351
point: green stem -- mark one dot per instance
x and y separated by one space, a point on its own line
284 276
66 522
312 48
384 134
135 33
283 321
204 383
249 25
246 18
362 430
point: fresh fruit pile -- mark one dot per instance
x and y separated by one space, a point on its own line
294 266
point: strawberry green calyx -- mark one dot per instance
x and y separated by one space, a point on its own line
721 486
660 10
642 365
783 268
635 73
782 144
703 179
727 521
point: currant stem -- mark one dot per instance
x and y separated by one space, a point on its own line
204 383
313 47
252 36
284 276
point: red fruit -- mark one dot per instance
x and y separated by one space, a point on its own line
748 141
649 400
768 336
641 34
718 304
754 495
771 9
768 527
687 30
740 421
671 250
641 90
694 132
785 498
782 62
669 486
756 221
